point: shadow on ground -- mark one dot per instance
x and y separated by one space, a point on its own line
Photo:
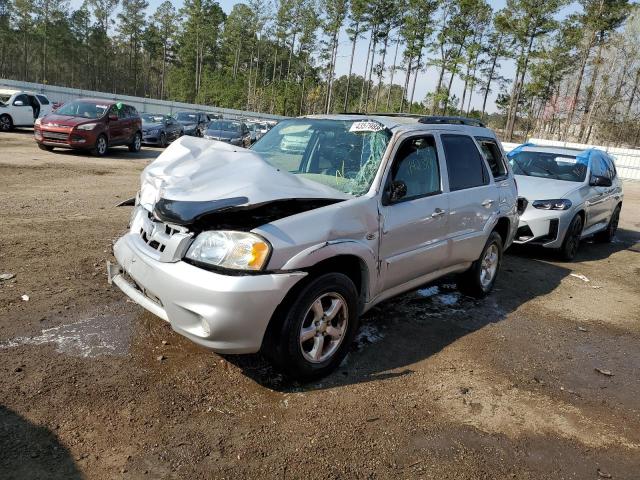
414 326
28 451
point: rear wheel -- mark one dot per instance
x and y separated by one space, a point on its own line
571 241
610 232
317 328
6 124
47 148
136 143
100 148
480 278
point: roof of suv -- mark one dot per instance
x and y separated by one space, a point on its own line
409 122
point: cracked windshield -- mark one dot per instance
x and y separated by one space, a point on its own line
342 154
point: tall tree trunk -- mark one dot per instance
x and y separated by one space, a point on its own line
384 56
405 87
590 88
519 86
632 96
373 58
453 74
364 76
353 51
415 77
576 92
393 72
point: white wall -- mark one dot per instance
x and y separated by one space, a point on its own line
150 105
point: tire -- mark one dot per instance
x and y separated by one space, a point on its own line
607 235
47 148
6 123
571 241
136 143
101 146
163 140
478 281
327 342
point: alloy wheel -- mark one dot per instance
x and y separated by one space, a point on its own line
101 145
489 265
324 327
5 123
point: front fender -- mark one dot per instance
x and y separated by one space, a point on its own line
326 250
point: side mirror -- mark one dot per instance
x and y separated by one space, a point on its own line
19 103
113 116
598 181
394 192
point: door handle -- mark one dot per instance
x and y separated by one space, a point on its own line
438 212
487 203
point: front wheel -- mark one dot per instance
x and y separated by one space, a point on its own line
100 148
479 279
571 241
6 124
317 329
136 144
163 140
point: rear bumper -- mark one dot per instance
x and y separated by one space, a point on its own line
228 314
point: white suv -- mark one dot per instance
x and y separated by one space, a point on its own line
20 109
267 248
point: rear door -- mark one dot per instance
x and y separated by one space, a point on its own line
21 110
474 200
413 238
45 105
497 163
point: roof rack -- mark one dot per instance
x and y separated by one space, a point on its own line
385 114
472 122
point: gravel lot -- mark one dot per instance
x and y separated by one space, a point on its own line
438 386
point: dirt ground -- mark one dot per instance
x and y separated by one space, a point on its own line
437 386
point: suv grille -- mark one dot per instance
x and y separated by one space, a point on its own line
156 234
55 136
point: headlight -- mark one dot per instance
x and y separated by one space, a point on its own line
229 249
86 126
560 204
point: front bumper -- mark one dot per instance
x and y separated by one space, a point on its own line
64 138
228 314
151 138
543 227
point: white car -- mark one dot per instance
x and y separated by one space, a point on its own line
569 194
20 109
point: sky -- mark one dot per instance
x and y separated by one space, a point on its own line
426 81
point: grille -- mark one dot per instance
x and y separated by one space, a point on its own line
55 136
156 234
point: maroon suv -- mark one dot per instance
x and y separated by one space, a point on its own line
90 124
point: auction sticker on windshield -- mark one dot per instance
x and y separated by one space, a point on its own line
366 126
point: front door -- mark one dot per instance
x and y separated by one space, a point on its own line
116 126
414 225
22 111
474 200
598 199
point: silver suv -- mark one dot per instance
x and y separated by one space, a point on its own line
281 250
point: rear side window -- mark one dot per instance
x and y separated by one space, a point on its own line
493 155
43 100
465 165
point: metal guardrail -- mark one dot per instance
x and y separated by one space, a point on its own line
143 105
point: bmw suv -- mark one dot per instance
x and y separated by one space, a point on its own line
282 250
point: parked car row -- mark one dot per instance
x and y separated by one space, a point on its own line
280 248
97 124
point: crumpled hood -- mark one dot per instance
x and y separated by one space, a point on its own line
197 170
536 188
